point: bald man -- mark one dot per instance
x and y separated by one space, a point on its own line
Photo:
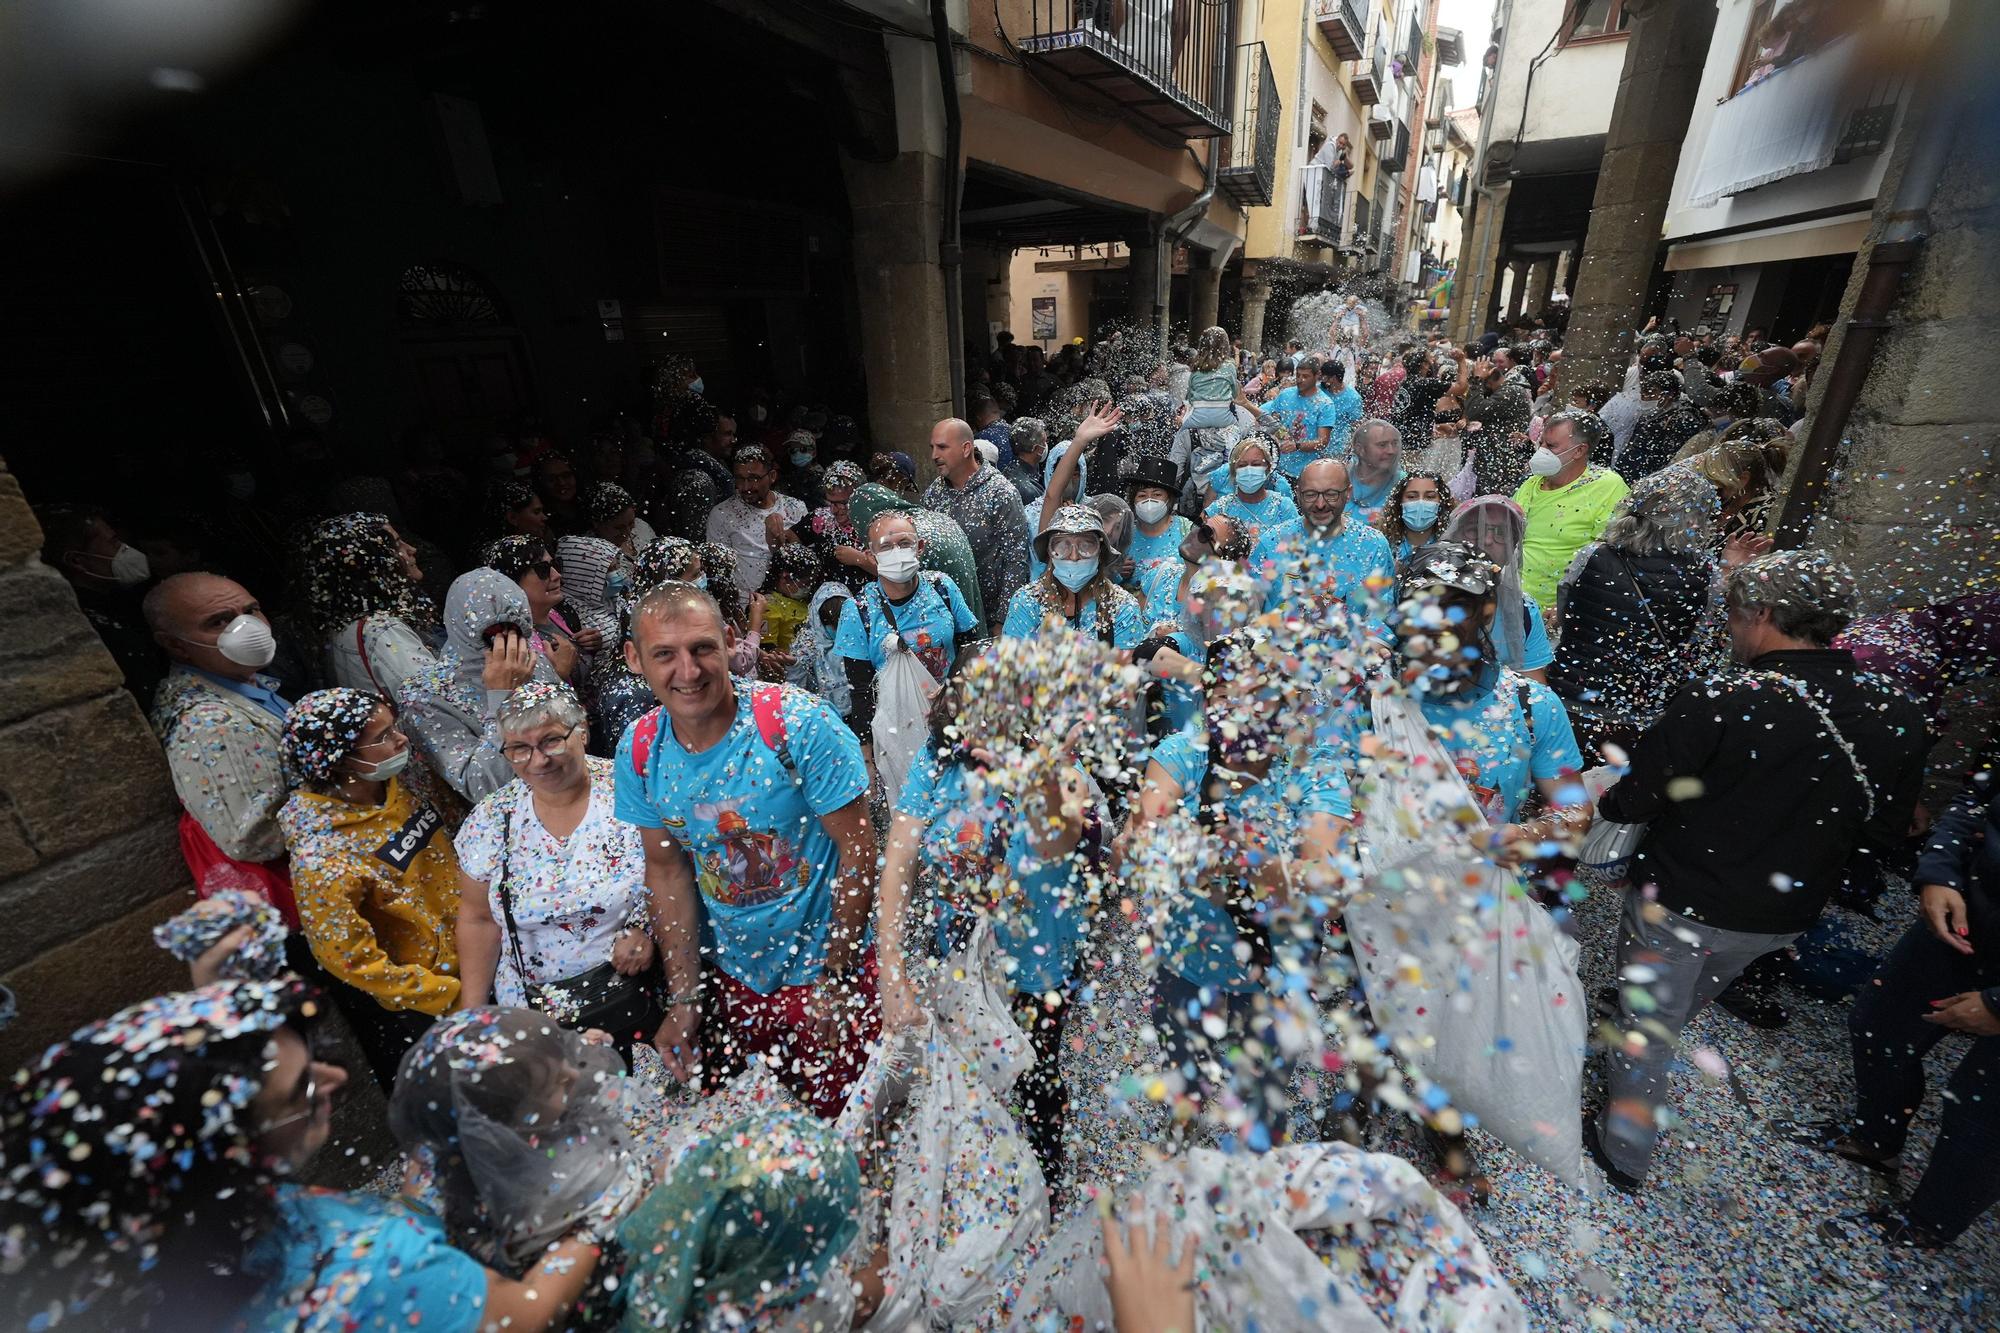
988 507
220 720
1327 554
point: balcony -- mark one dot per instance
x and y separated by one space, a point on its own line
1323 206
1801 118
1398 157
1407 59
1380 126
1158 62
1251 169
1340 20
1370 78
1450 46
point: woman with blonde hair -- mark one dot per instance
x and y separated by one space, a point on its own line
1214 396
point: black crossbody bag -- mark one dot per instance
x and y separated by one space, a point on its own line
604 998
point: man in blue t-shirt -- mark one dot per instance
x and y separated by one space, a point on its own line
1309 417
1325 555
924 610
1346 403
752 805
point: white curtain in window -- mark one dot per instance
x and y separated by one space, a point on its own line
1787 125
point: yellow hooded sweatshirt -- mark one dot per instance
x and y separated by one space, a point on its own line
377 888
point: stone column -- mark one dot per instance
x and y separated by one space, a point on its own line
1150 271
1256 295
1205 296
1477 288
895 206
89 857
1664 54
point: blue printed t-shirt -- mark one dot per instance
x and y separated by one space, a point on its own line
1301 570
1038 915
1487 734
1147 552
1304 417
763 862
1161 595
931 619
363 1263
1026 610
1366 502
1201 938
1347 409
1270 512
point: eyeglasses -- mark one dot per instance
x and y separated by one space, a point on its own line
391 735
312 1103
1325 495
520 752
1447 417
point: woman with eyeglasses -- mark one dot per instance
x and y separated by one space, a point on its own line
146 1169
373 872
552 902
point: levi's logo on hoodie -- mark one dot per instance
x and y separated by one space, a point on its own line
407 841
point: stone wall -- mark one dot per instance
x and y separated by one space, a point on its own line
89 859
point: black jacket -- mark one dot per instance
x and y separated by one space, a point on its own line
1631 633
1964 854
1754 807
1659 436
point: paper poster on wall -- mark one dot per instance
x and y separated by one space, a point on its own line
1042 310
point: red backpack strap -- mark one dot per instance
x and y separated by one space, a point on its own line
645 732
767 709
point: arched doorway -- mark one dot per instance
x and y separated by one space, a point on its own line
466 365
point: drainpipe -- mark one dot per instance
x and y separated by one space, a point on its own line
1908 227
1180 225
951 256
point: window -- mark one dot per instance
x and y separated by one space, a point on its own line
1316 134
1753 42
1598 18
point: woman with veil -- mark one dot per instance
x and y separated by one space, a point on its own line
1495 526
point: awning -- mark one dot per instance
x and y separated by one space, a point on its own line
1798 240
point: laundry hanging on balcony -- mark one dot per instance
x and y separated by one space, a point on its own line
1784 125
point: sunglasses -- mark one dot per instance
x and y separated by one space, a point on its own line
1446 418
543 568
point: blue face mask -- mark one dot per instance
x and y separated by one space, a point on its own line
615 585
800 460
1418 515
1250 480
1073 574
700 581
694 385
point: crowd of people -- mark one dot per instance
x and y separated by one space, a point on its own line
1130 804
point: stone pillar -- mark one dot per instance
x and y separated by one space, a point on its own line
1151 271
1256 295
1664 54
89 857
1479 265
1205 297
895 206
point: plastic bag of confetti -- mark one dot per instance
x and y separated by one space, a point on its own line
972 1010
903 693
194 932
966 1191
1473 981
1319 1238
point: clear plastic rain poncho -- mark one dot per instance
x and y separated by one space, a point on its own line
1494 524
523 1126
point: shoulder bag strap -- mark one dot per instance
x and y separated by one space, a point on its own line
361 646
506 895
1805 696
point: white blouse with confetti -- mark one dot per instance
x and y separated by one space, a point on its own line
572 898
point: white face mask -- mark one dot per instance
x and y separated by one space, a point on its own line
897 565
1150 511
387 768
1545 462
246 641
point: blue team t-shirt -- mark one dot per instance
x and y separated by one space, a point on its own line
1487 733
1347 410
1270 512
763 862
363 1263
1147 552
1304 417
1536 650
1161 595
1366 502
1200 936
1037 910
930 620
1026 611
1299 568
